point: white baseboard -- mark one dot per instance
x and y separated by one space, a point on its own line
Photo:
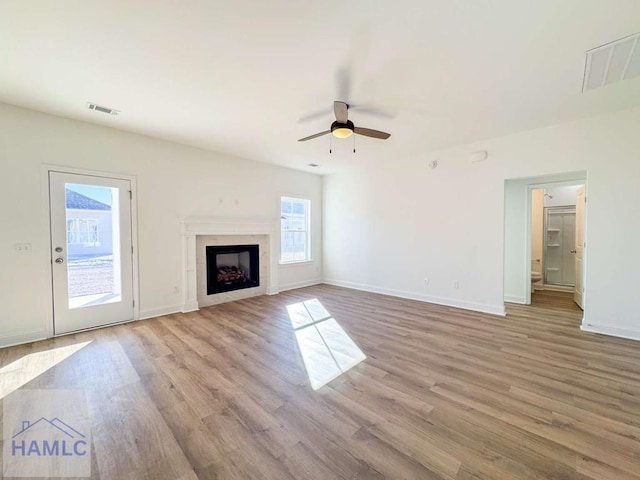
190 307
515 299
305 283
158 312
449 302
23 337
629 333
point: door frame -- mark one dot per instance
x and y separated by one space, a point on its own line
542 185
48 296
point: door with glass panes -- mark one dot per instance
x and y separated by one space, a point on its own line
91 251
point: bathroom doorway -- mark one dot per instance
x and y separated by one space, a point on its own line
542 233
555 259
553 238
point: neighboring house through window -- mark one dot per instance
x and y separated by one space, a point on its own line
295 223
83 231
89 226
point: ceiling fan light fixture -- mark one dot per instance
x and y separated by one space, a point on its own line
342 130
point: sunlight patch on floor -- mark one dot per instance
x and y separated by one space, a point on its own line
22 371
327 350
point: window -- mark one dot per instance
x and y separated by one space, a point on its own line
294 230
83 231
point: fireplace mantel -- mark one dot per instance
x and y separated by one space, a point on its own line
195 226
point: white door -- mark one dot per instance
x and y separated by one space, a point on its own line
578 292
91 251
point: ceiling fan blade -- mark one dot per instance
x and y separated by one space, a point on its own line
316 135
315 115
367 132
341 111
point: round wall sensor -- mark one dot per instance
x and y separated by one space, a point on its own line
433 164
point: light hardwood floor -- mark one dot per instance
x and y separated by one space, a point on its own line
444 393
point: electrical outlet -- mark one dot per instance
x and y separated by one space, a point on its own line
455 284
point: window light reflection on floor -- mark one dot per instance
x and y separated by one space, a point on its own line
327 350
23 370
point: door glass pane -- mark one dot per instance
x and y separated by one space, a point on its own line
93 245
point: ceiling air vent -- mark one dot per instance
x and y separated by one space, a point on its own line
99 108
612 62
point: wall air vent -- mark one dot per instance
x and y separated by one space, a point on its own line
612 62
99 108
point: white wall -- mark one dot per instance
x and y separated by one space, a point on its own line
449 223
561 196
174 181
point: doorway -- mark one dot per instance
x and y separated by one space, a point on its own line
91 250
556 239
532 224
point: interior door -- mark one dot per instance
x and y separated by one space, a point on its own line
91 251
578 293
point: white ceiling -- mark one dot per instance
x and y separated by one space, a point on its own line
235 76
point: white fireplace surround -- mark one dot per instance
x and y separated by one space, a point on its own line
193 227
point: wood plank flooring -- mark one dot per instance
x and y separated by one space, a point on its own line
444 393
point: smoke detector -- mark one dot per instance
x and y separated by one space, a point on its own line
99 108
612 62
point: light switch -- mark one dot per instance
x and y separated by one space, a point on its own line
23 247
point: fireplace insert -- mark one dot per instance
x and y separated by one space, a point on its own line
232 267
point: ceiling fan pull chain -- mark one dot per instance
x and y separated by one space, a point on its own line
330 143
354 143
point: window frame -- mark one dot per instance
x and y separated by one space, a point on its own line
308 251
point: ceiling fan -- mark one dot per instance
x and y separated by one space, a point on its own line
344 128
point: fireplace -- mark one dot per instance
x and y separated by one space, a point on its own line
232 267
200 232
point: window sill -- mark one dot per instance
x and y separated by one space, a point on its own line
294 264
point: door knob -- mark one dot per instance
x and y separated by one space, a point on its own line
59 260
58 249
572 251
